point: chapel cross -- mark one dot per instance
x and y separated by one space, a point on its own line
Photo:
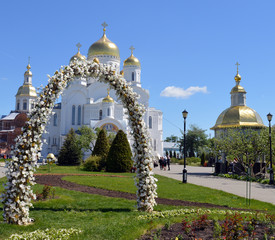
78 46
132 49
237 64
104 25
29 59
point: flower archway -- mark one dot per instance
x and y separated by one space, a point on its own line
18 192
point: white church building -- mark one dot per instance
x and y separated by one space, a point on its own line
86 101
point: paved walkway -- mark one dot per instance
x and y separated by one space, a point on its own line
202 176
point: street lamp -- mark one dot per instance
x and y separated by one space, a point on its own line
271 181
184 171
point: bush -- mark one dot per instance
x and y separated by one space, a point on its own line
92 164
70 152
174 160
101 148
192 161
120 156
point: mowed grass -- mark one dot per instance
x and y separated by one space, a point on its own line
102 217
173 189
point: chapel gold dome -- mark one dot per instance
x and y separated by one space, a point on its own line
238 116
108 99
131 61
26 90
103 47
78 56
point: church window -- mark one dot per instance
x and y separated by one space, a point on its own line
32 106
18 105
133 76
108 112
55 119
73 115
79 115
100 114
155 145
150 122
25 105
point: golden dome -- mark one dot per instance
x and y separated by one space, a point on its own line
238 77
238 116
108 99
103 47
131 61
28 72
26 90
78 56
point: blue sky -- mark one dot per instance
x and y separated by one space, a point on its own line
187 47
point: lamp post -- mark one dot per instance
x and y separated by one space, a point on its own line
184 171
271 181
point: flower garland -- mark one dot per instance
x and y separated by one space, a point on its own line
18 193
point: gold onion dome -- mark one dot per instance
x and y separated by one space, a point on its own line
132 60
28 72
78 56
108 99
238 116
103 46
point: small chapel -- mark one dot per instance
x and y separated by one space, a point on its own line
238 114
86 101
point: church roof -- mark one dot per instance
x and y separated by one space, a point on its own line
103 46
132 60
26 90
238 116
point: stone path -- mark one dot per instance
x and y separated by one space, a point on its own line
202 176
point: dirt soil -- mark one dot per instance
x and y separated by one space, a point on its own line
56 180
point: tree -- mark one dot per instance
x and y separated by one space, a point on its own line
244 145
102 147
195 138
86 138
172 138
70 152
120 156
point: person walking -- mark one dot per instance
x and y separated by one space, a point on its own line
168 162
161 163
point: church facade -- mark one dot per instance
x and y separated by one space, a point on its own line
86 101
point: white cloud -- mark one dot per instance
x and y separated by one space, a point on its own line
178 92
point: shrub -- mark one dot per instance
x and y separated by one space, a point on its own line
92 163
101 148
192 161
120 156
70 152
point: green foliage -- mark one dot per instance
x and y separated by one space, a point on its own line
195 138
172 138
47 193
92 163
191 161
70 152
102 147
246 145
202 159
120 156
86 138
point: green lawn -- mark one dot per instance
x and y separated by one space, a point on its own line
112 218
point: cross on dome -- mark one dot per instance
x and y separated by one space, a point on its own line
78 46
132 49
237 64
104 25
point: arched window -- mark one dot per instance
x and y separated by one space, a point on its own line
18 105
73 115
79 115
155 144
150 122
55 119
25 105
108 112
133 76
100 114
